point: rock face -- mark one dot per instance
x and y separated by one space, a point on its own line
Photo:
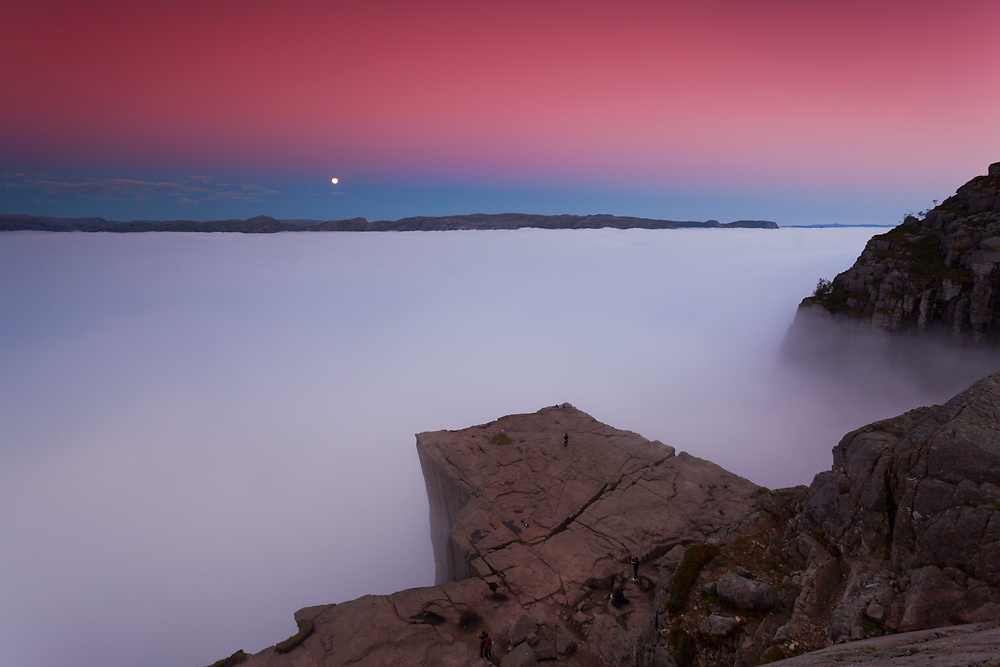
933 275
920 308
533 531
903 534
961 646
919 495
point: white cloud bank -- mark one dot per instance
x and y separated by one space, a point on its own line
200 434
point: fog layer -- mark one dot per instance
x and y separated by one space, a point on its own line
200 434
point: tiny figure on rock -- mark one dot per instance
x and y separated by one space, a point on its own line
483 641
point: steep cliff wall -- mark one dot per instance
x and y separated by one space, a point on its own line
447 495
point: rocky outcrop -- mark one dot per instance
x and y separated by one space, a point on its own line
601 494
744 593
536 516
936 274
919 496
903 534
918 312
549 507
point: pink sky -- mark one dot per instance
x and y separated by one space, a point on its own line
767 97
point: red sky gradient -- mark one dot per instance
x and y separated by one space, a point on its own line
821 96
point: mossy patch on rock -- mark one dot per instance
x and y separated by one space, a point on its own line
305 629
695 557
683 647
500 438
773 654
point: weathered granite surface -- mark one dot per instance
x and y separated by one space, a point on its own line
552 520
975 645
572 512
920 495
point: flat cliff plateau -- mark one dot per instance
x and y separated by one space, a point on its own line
534 519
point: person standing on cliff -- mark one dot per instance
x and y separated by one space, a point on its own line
635 568
483 641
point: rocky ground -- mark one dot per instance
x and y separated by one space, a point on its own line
957 646
535 517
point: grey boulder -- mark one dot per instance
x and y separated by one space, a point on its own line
745 593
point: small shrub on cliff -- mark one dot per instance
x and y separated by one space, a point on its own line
305 629
823 287
683 646
500 438
773 654
235 659
695 558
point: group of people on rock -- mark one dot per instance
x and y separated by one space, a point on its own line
618 598
485 645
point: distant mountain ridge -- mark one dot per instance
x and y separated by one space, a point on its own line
263 224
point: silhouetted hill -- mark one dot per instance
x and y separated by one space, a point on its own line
263 224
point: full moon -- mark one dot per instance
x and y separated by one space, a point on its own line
334 180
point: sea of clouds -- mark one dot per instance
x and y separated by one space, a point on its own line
200 434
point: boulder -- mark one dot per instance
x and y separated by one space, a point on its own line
718 626
545 649
745 593
524 630
564 645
